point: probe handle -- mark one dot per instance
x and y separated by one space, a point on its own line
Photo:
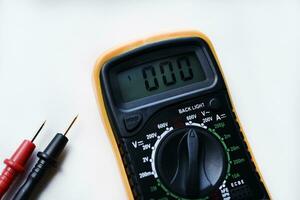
15 165
32 180
47 159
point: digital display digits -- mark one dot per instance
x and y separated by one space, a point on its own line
159 76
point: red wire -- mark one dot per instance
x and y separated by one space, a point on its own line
15 165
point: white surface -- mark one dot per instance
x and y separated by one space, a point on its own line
48 50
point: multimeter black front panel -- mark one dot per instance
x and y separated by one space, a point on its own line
173 121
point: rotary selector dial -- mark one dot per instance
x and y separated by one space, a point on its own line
190 161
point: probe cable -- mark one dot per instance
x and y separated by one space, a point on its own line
16 164
47 159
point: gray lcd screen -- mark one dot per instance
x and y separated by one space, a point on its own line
159 76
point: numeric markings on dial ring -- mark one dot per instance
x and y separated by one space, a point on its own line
145 174
151 136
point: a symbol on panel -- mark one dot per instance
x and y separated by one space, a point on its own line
224 191
223 116
146 146
134 144
140 143
145 159
204 113
220 117
207 119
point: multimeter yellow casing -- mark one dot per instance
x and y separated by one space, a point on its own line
211 157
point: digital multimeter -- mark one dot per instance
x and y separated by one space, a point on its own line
168 113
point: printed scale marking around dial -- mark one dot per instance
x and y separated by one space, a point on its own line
191 126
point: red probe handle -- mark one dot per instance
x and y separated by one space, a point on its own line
15 165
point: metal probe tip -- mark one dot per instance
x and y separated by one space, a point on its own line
38 131
70 125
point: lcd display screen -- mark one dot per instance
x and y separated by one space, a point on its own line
159 76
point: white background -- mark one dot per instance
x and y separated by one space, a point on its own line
47 54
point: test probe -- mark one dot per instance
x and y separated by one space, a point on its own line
47 159
16 164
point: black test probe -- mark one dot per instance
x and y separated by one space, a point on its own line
47 159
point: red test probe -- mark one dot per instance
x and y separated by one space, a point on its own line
16 164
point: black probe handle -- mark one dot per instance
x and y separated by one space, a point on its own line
47 159
32 180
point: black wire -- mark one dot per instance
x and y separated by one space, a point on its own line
47 159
